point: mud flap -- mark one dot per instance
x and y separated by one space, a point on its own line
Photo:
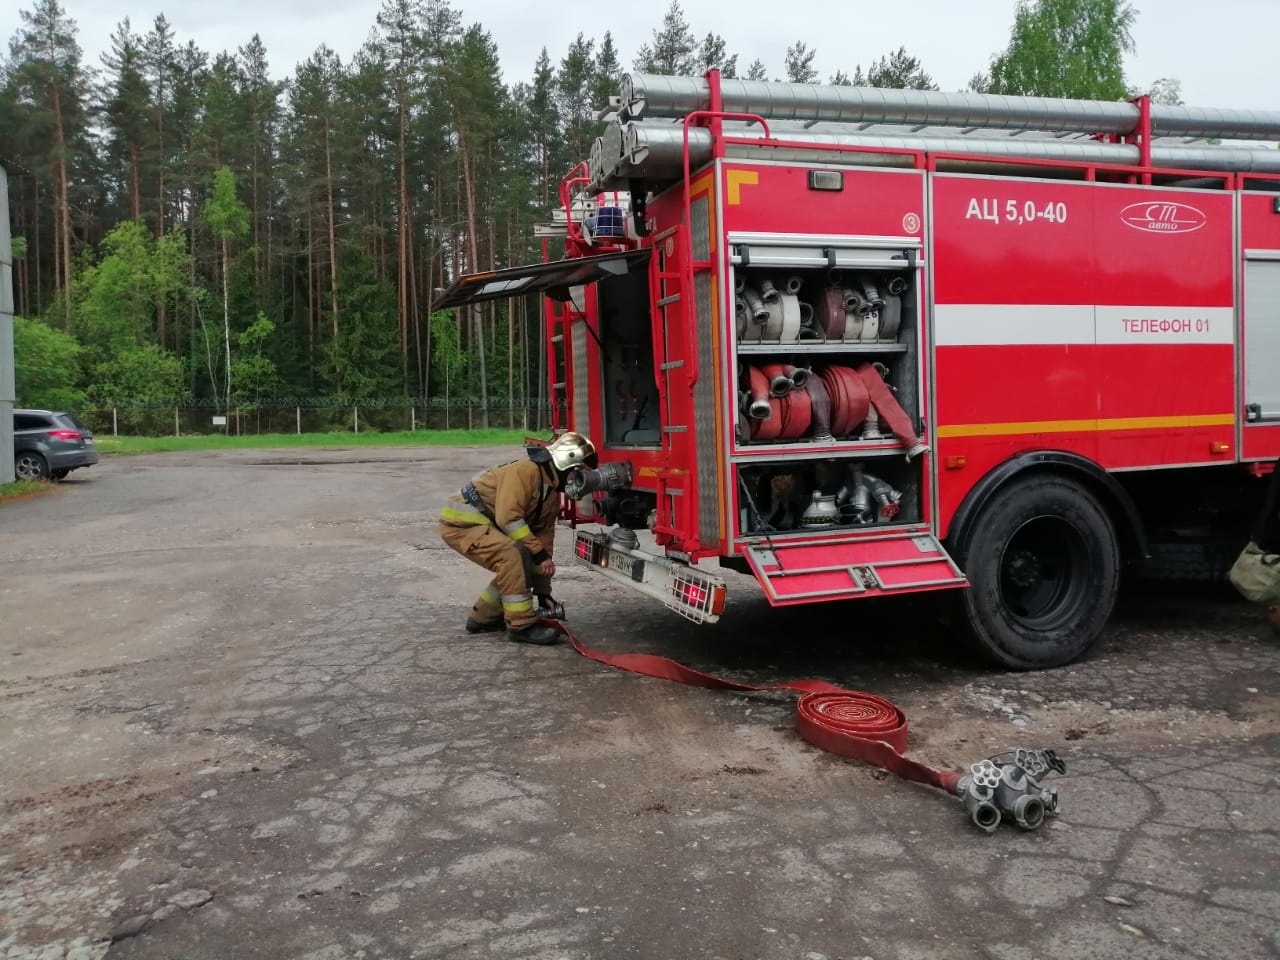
810 572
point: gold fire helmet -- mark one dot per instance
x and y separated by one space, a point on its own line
571 450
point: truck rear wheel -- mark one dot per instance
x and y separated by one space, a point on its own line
1044 570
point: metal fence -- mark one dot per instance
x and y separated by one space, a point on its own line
310 415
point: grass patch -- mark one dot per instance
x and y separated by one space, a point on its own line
406 438
23 489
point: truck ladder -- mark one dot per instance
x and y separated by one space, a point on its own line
557 369
667 288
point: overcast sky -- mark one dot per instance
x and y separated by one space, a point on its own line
1223 52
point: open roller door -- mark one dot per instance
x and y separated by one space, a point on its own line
551 279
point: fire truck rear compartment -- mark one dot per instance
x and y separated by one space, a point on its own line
632 417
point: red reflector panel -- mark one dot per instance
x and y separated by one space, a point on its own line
812 572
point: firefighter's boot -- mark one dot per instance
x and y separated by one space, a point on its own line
486 612
536 633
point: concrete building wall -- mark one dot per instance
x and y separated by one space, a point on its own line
7 387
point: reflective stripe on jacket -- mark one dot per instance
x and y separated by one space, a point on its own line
522 501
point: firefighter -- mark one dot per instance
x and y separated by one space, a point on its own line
504 520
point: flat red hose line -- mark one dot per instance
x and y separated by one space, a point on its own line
848 723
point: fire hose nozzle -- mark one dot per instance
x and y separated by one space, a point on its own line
550 609
768 292
780 386
755 304
610 476
799 376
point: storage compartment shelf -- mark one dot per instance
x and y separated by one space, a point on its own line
812 448
772 348
827 495
838 535
826 350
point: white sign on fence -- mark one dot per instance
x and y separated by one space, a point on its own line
219 421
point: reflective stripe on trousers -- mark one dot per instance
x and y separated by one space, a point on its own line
486 546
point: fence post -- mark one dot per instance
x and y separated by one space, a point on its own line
356 412
526 419
176 431
413 418
114 431
468 417
297 413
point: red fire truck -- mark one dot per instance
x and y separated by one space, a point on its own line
860 342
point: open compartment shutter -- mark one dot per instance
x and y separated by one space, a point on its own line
552 279
808 572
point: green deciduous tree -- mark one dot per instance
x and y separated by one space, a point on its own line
47 366
1064 48
139 374
229 220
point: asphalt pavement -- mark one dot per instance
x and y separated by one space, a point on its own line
239 717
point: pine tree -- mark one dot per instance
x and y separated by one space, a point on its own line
400 21
574 82
608 73
799 64
672 49
260 101
712 56
125 97
50 77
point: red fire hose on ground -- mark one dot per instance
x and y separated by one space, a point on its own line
861 726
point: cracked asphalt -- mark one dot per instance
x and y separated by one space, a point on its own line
239 718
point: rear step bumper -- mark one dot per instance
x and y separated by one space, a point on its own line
692 593
887 565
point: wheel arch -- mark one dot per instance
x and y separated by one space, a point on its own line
1117 502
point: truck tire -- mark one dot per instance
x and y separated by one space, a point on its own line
1044 570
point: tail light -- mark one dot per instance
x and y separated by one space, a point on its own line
65 435
699 595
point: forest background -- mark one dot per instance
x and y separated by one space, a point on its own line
190 231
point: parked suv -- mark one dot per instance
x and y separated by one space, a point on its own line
50 443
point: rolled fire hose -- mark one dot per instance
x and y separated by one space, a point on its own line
753 327
852 326
783 324
849 399
807 329
797 414
820 403
871 326
890 318
847 723
788 416
831 320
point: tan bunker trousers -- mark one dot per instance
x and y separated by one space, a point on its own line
509 594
